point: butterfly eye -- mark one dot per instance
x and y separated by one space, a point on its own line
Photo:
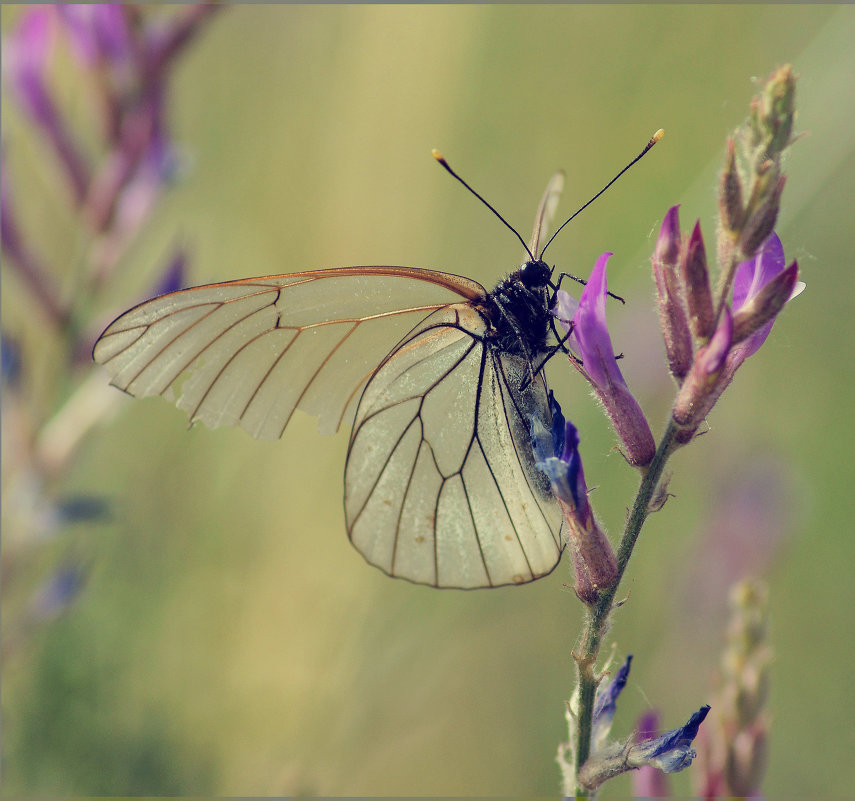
535 274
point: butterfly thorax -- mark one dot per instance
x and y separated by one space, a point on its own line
518 309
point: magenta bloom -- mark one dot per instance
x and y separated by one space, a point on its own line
26 53
764 282
762 286
98 31
590 341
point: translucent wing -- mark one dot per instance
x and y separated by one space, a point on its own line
440 483
546 211
249 352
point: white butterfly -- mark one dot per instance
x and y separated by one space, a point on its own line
440 484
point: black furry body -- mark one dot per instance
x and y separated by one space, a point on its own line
518 311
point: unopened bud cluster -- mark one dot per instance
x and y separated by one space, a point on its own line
750 191
708 334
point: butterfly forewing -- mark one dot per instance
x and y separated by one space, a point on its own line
440 484
249 352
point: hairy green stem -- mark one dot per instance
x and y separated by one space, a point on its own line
596 624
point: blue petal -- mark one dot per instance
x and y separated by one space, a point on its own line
606 701
557 424
672 751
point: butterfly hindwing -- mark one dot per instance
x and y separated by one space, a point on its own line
440 483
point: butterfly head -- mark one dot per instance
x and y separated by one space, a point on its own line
535 274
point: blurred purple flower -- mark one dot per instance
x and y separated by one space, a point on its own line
26 53
760 496
670 752
174 277
152 164
10 362
58 592
647 781
82 509
98 32
589 338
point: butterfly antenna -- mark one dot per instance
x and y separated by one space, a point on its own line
441 159
653 140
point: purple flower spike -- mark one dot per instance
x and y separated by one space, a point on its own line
591 340
672 751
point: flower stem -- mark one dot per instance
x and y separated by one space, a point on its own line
597 622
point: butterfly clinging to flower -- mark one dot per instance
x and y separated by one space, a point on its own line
439 378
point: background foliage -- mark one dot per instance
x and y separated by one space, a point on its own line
229 640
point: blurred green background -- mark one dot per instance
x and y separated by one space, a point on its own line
229 640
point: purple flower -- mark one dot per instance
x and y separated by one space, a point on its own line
594 561
605 705
647 781
669 753
672 751
98 32
589 338
58 592
761 287
11 363
26 53
565 471
174 276
149 170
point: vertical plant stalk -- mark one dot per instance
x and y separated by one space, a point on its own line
597 620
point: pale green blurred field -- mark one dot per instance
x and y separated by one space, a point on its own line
230 640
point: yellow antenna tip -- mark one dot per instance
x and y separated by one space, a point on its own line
437 155
658 135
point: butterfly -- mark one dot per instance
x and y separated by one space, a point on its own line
440 378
